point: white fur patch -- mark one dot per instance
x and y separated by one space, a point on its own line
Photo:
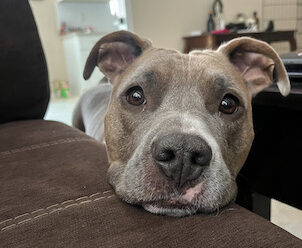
193 125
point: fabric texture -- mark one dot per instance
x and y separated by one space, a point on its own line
54 193
24 87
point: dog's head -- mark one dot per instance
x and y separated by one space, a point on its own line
179 126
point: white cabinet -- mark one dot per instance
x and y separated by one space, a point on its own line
77 47
96 15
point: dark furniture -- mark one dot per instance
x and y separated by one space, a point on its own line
53 177
276 150
212 41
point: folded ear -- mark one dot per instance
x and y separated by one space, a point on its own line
114 53
258 64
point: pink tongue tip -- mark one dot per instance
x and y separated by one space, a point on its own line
191 192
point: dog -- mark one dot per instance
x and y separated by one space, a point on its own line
178 127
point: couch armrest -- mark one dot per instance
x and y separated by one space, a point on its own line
54 194
24 87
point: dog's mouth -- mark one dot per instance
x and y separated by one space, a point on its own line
182 205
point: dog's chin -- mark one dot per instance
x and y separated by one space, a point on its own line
169 209
173 212
184 204
192 201
178 209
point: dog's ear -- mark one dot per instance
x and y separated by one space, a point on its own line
114 53
258 64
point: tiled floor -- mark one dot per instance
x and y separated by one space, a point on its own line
287 217
282 215
61 110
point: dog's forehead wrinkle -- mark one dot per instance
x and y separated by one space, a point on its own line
193 68
185 68
189 68
197 65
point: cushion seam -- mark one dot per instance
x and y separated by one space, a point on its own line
42 145
54 208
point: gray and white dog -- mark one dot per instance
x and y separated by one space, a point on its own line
178 127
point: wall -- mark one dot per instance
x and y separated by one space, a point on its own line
167 21
45 15
247 7
85 15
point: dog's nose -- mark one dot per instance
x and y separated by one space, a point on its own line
181 157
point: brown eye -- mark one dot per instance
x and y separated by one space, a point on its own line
135 96
229 104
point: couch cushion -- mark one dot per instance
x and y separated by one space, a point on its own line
24 87
54 194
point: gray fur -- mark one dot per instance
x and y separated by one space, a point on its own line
90 111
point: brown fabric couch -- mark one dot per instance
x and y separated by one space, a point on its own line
53 189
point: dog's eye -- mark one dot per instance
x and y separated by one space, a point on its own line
229 104
135 96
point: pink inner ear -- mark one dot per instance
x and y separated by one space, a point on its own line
256 69
114 57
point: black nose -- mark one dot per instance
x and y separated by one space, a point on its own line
181 157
